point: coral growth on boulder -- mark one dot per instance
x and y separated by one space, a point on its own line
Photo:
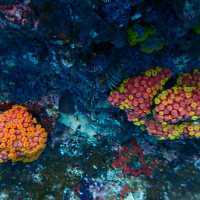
22 138
135 95
166 113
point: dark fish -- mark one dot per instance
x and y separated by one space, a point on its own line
66 103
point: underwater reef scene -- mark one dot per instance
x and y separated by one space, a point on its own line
100 100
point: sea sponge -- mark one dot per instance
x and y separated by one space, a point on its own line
22 138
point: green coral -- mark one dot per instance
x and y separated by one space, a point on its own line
146 37
152 44
196 29
139 33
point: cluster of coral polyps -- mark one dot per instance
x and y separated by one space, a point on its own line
172 131
178 104
135 95
21 137
190 79
166 113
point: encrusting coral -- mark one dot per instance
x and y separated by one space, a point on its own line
22 138
135 95
165 113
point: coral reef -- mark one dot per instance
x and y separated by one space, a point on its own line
176 110
135 95
22 138
60 59
177 104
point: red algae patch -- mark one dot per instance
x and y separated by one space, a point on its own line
22 138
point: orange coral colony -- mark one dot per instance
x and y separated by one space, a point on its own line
21 137
178 104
